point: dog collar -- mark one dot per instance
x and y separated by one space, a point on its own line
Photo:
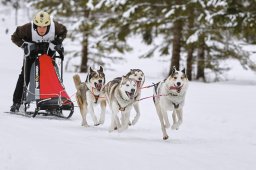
172 94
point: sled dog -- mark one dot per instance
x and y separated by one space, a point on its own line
139 76
169 95
120 94
90 93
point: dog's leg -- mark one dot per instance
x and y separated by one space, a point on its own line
174 118
103 111
83 109
126 119
112 125
166 120
84 114
115 123
137 109
122 118
91 110
160 116
180 117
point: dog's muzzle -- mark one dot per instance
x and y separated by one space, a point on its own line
138 84
177 88
98 86
130 94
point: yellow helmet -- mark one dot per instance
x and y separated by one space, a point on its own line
42 19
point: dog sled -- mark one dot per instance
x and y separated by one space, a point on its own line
46 88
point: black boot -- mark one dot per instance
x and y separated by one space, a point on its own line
15 107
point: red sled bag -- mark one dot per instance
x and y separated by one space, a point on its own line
47 90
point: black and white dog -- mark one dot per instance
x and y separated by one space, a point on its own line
90 93
120 94
139 77
169 95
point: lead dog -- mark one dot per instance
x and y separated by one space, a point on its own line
139 76
120 94
90 93
169 95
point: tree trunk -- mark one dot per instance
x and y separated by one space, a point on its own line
190 61
84 62
190 47
201 59
177 34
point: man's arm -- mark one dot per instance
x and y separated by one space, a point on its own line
22 34
60 33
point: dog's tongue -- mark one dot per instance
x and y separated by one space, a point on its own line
130 95
138 84
98 86
175 88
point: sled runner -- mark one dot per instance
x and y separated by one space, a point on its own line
46 89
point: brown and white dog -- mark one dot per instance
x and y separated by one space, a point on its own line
90 93
169 95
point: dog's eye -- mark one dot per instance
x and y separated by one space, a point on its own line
135 74
127 85
175 78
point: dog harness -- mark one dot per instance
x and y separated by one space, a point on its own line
176 106
121 108
96 98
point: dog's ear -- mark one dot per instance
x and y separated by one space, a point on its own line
101 69
183 71
122 79
173 70
91 70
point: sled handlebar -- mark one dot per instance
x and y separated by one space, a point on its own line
43 48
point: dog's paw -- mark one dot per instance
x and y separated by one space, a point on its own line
101 122
85 125
123 128
120 130
175 126
165 137
135 120
111 129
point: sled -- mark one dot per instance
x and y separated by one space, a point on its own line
46 89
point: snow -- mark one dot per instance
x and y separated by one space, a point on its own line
218 131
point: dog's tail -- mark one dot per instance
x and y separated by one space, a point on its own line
81 90
77 81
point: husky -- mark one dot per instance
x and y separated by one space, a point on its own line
169 95
139 77
120 94
89 93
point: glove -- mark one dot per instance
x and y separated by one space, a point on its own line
59 49
28 47
52 46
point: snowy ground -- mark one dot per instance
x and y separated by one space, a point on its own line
218 130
